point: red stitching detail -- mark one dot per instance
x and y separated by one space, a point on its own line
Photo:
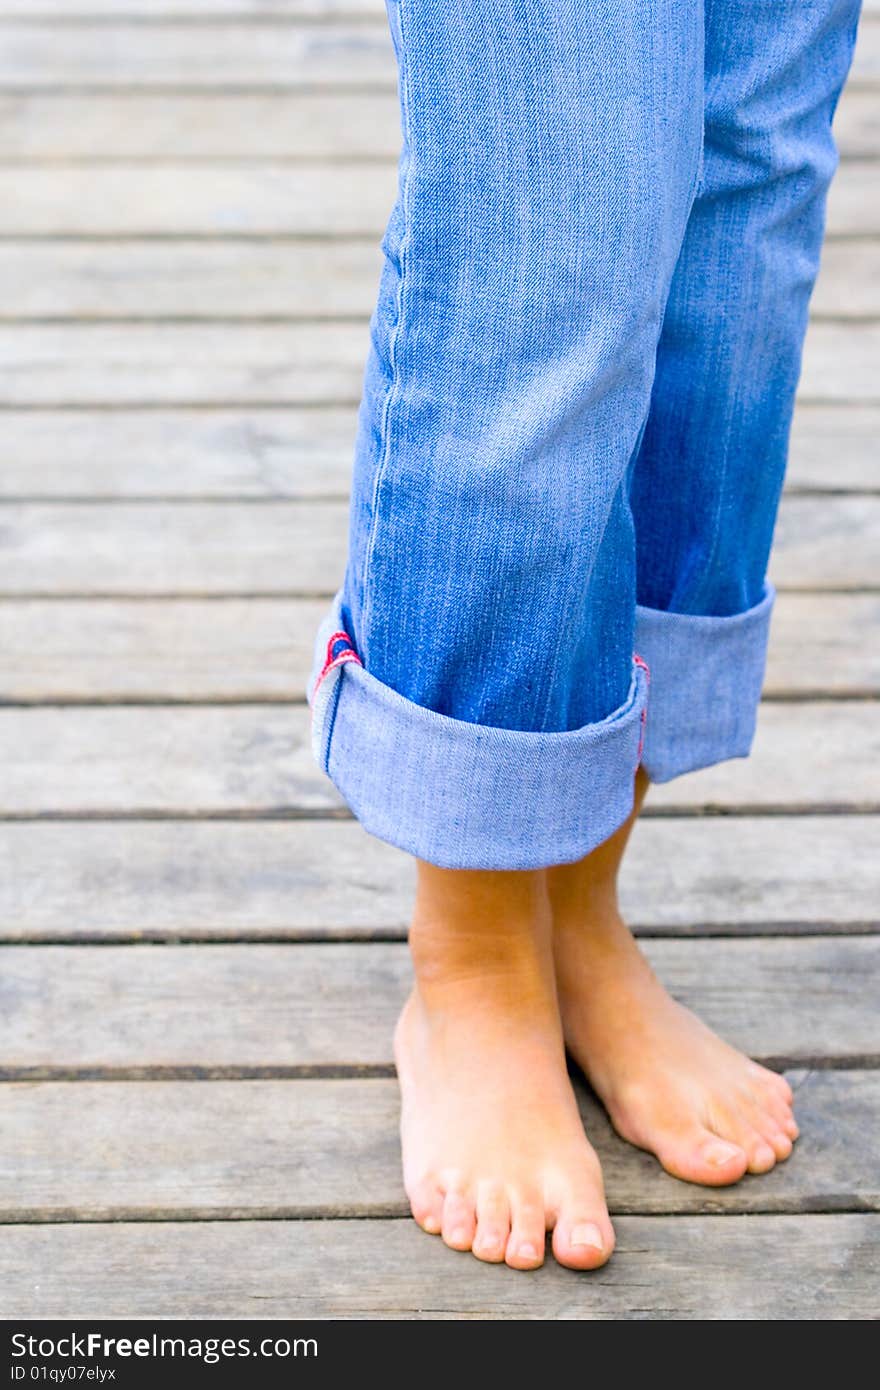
331 662
643 718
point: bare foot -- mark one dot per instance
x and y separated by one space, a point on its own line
494 1152
669 1084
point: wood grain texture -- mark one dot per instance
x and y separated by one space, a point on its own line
215 53
341 199
256 760
276 453
208 54
344 198
690 1268
206 1009
198 9
137 125
261 649
834 447
246 280
137 364
322 880
306 452
283 548
177 126
292 1149
185 280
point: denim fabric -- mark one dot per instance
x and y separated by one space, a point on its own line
575 411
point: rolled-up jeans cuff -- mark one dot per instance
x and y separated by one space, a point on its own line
462 795
705 687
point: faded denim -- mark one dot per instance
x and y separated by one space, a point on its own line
575 415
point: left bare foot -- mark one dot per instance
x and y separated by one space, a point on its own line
669 1084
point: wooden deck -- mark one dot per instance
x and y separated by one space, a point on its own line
202 953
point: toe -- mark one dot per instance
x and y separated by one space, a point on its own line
773 1134
779 1143
528 1229
702 1156
760 1153
772 1130
790 1126
583 1236
773 1083
459 1220
426 1203
493 1223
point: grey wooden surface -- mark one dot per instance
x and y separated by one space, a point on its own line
288 1149
319 1007
322 880
202 952
812 1267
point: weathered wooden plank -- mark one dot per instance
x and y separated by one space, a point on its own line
198 760
834 447
691 1268
857 123
256 649
345 198
259 125
827 542
204 548
275 453
256 760
293 1149
271 453
196 9
160 547
131 880
792 766
185 364
216 53
212 1008
854 199
207 54
138 364
214 280
231 649
178 126
821 643
229 280
848 284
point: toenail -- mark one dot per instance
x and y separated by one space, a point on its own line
718 1154
528 1251
587 1234
459 1236
431 1225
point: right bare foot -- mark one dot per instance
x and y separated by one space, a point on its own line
494 1151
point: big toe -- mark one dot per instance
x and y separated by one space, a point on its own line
583 1237
426 1203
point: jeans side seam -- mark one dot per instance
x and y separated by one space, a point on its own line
392 393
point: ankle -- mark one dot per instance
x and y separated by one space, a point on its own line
479 933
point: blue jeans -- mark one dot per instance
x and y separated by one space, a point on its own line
575 415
